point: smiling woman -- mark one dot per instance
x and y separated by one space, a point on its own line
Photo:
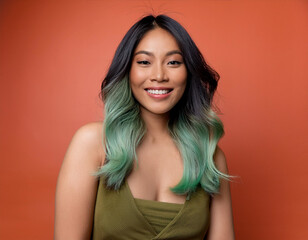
161 173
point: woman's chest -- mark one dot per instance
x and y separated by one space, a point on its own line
157 169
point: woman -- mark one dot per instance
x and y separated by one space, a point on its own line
162 175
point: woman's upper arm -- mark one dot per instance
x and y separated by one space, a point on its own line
77 187
221 225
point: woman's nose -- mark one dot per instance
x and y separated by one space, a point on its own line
158 73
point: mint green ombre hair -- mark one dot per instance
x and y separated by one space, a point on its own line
123 130
193 125
197 141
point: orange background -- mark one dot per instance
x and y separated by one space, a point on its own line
54 54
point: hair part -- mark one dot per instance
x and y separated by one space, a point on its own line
193 125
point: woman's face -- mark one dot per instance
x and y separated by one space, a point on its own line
158 74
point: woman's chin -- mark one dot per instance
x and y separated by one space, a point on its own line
155 111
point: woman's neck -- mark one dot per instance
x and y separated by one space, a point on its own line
156 125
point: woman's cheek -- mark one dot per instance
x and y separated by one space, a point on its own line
137 76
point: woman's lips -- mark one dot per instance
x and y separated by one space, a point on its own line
158 92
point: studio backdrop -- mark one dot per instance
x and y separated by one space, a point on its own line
54 55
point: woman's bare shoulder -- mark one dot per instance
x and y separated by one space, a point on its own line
90 132
220 160
88 139
221 226
76 187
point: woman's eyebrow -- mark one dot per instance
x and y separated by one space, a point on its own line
174 52
151 54
144 52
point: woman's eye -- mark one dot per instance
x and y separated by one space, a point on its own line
174 63
143 62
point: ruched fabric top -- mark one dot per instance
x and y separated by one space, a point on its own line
118 217
158 214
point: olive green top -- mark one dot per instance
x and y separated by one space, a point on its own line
158 214
118 215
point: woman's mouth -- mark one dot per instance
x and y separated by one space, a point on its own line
158 93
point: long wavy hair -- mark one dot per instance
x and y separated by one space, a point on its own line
193 125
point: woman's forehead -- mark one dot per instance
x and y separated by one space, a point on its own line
157 40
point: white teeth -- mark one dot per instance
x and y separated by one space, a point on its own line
158 92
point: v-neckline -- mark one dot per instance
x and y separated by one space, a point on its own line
179 214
